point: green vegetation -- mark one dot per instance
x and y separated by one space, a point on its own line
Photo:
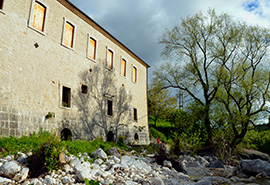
91 182
47 147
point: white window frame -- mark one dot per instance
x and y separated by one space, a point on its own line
64 31
61 96
122 58
30 20
88 44
111 69
133 66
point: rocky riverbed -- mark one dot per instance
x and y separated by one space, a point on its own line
131 169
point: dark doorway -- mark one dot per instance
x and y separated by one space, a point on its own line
110 136
136 137
66 134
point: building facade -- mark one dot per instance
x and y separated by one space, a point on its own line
61 71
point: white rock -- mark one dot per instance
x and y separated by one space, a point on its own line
35 182
5 180
49 181
10 168
66 180
22 175
68 169
98 161
100 154
115 159
83 171
127 161
22 158
167 164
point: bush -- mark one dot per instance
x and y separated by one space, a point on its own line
121 140
156 134
257 140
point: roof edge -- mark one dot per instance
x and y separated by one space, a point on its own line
99 28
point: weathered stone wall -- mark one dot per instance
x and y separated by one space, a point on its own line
35 66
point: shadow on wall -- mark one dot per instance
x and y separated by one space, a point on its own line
103 105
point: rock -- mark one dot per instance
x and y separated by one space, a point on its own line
248 168
35 182
49 181
115 159
98 161
83 171
203 162
127 161
22 175
68 169
221 173
167 164
176 164
66 180
23 158
212 180
5 180
100 154
253 154
10 168
216 164
114 152
156 181
62 158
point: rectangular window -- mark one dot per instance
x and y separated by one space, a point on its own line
66 96
135 114
110 59
123 67
38 19
1 4
92 48
134 74
68 34
109 107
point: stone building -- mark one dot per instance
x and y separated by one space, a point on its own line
61 71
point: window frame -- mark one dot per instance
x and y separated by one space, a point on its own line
2 7
61 97
64 32
122 58
30 20
132 72
107 52
88 45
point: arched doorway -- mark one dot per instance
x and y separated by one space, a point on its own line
136 137
66 134
110 136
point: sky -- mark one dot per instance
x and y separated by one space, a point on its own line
139 24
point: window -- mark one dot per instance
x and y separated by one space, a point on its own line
110 59
109 107
135 114
123 67
84 89
38 17
134 74
1 4
92 45
66 97
68 34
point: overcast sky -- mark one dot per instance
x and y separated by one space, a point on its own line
139 24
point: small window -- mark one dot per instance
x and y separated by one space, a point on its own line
134 74
135 114
84 89
123 67
66 96
110 59
110 107
68 34
92 45
1 4
38 17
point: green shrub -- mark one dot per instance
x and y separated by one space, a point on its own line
91 182
121 140
157 134
258 140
